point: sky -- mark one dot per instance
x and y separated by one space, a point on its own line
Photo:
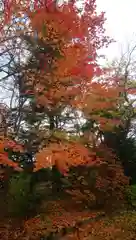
120 24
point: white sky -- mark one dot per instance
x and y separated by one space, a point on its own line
121 23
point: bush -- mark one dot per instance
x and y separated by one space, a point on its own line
22 200
102 186
131 195
110 187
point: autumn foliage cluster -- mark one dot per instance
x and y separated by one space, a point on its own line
59 82
66 72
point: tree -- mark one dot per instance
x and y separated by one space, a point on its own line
122 140
60 61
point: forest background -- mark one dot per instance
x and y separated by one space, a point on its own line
67 125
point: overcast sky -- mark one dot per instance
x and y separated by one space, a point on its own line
121 22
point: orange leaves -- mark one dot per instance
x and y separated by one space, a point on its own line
131 91
63 155
2 146
74 37
57 23
56 221
12 145
82 197
4 160
4 143
67 65
72 57
8 144
100 102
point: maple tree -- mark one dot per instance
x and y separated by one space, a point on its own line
62 72
65 65
65 43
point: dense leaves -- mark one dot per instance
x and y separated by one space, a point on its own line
64 116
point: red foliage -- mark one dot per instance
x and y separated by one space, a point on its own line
68 78
58 221
6 144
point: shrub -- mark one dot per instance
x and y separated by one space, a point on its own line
102 186
22 200
131 195
110 187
